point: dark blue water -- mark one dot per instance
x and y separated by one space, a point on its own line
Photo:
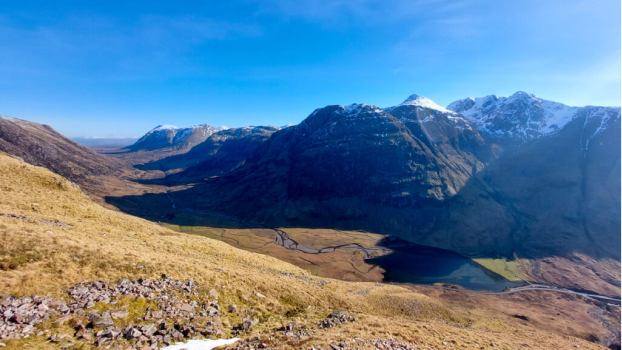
414 263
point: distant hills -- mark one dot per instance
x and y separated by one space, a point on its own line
220 153
168 136
104 143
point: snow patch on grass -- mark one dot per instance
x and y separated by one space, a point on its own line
201 344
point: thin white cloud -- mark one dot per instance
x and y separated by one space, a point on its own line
338 12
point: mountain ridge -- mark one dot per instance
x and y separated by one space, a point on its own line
40 145
169 136
520 117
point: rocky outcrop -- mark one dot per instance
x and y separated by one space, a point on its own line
181 310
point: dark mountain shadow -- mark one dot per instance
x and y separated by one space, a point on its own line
407 263
158 207
162 181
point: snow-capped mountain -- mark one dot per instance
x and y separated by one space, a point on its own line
438 124
421 101
597 121
220 153
169 136
522 116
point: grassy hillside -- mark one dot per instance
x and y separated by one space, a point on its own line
52 236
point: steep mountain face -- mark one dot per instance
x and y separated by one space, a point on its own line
554 196
518 118
168 136
358 166
41 145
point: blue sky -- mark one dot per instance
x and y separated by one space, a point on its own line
108 68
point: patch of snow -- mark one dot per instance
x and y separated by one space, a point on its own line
201 344
182 133
354 107
165 127
361 107
601 115
523 115
421 101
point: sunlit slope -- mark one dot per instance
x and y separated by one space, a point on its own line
52 236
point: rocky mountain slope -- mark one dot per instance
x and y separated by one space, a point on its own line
357 166
518 118
41 145
161 142
168 136
74 274
220 153
555 194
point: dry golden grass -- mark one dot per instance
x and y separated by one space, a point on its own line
320 238
344 264
68 239
511 270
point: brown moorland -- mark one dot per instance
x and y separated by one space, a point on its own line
59 237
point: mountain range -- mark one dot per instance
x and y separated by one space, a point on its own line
495 177
484 176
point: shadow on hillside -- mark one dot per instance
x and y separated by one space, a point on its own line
408 262
158 207
161 181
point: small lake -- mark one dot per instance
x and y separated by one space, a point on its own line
414 263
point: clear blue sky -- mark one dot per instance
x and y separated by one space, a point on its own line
104 68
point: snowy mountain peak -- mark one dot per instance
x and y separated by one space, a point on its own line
164 136
412 97
522 115
164 127
361 107
523 95
421 101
